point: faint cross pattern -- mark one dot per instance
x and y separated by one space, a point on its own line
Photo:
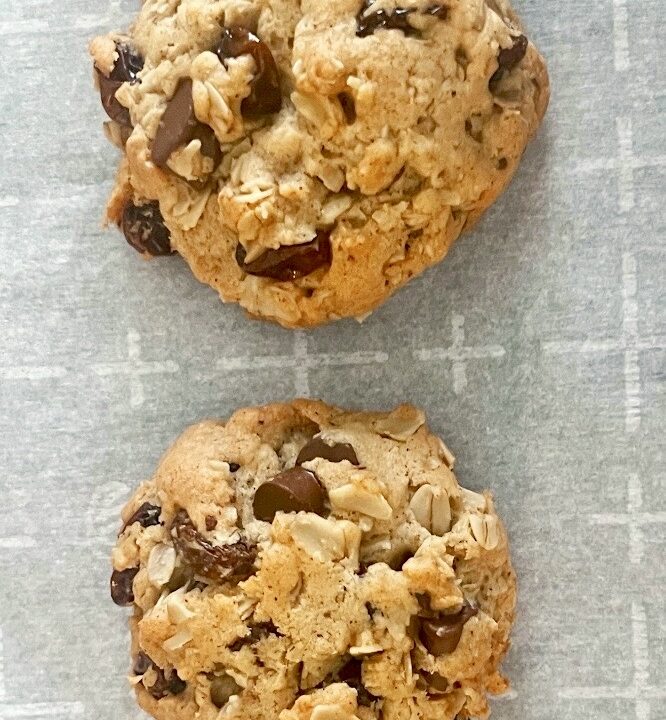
32 372
635 519
103 519
630 344
639 691
42 711
459 354
302 361
624 164
135 368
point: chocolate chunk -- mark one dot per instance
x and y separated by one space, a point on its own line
146 516
292 490
288 262
144 229
435 683
257 632
335 452
128 65
166 685
507 59
219 563
222 688
440 635
142 664
352 674
121 586
265 96
179 126
367 24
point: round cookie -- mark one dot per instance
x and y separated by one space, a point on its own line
308 157
300 562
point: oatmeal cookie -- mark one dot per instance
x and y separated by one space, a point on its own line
307 158
300 562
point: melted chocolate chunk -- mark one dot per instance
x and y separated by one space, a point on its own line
122 592
265 96
170 684
128 65
335 452
292 490
398 19
257 633
507 59
222 687
441 634
288 262
146 516
144 229
219 563
179 126
352 674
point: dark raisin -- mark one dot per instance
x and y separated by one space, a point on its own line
211 522
122 592
265 96
144 229
289 262
219 563
128 65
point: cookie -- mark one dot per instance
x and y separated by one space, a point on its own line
309 158
300 562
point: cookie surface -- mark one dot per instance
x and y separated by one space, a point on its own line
309 158
303 563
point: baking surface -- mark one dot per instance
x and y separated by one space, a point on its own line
537 349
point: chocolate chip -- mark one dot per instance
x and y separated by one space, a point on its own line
219 563
319 448
126 68
352 674
163 685
222 688
507 59
146 516
435 683
211 522
142 664
233 467
265 96
179 126
440 635
121 586
288 262
257 633
144 229
292 490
